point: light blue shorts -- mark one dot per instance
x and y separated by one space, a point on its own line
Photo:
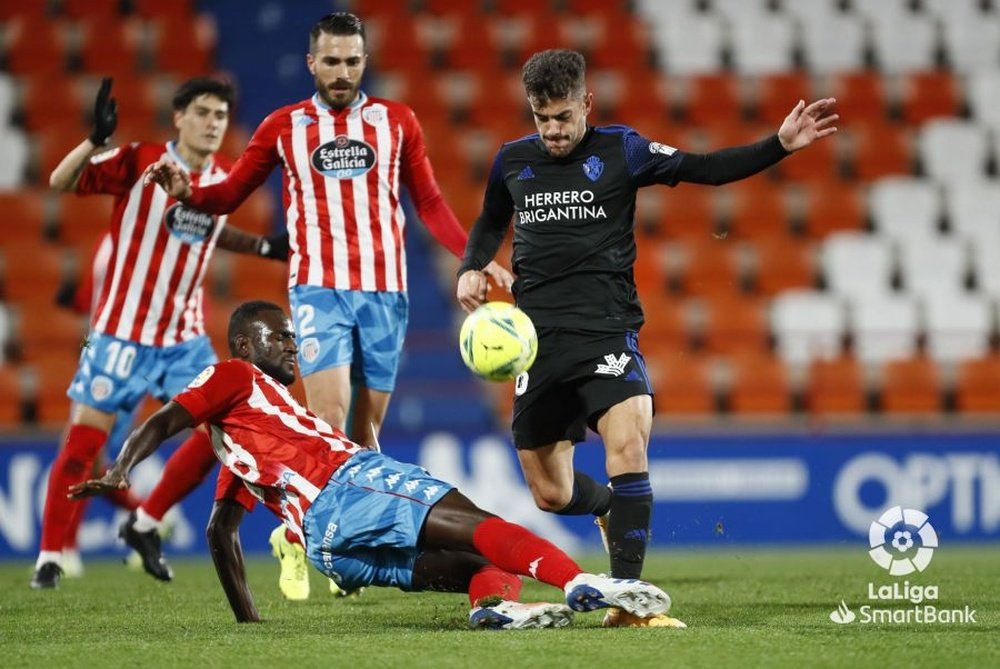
363 329
364 526
115 374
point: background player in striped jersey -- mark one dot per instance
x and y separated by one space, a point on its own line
147 331
344 157
364 518
574 263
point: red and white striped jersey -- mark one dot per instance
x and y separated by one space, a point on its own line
151 293
342 175
284 454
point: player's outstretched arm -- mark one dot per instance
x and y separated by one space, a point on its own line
170 177
66 175
227 554
238 241
805 124
143 441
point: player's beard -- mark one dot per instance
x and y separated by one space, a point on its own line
325 93
277 372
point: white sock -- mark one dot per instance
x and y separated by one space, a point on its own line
48 556
145 522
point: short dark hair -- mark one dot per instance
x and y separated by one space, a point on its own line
554 74
192 88
338 23
243 316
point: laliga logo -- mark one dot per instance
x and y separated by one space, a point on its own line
902 541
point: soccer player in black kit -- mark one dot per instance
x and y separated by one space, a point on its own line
571 191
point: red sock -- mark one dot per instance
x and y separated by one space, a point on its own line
492 581
518 551
77 513
71 466
186 468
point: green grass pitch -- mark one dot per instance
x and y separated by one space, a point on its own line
744 608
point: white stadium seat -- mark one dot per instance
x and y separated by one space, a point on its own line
762 43
807 325
856 264
958 326
885 327
954 149
934 265
902 206
973 209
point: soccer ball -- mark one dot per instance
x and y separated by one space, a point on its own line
498 341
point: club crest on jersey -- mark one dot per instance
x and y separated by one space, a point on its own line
309 349
189 225
204 376
373 115
593 167
343 158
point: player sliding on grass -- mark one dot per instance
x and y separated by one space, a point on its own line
363 517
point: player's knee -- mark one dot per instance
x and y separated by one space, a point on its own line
626 455
551 498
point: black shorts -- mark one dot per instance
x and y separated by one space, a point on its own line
576 377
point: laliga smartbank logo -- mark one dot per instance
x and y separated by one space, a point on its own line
902 542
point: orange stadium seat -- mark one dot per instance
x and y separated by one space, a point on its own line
861 96
84 9
735 324
831 206
880 149
32 9
51 147
777 94
183 45
927 95
254 278
530 7
257 214
53 375
689 213
35 44
24 217
44 111
460 7
821 161
138 100
10 396
157 8
783 263
835 386
711 99
911 386
473 47
760 386
393 43
622 42
45 329
110 45
33 272
81 220
666 329
710 268
757 209
977 386
682 384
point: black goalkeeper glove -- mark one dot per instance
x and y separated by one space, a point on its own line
105 114
275 247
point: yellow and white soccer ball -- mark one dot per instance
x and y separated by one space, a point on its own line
498 341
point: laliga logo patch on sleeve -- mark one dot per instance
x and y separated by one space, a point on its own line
665 149
200 380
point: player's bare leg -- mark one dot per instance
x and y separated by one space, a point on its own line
367 415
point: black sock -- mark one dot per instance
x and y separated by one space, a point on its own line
628 524
589 496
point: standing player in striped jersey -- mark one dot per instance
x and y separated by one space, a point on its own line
344 156
147 332
363 517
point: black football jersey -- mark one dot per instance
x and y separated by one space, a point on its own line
574 220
